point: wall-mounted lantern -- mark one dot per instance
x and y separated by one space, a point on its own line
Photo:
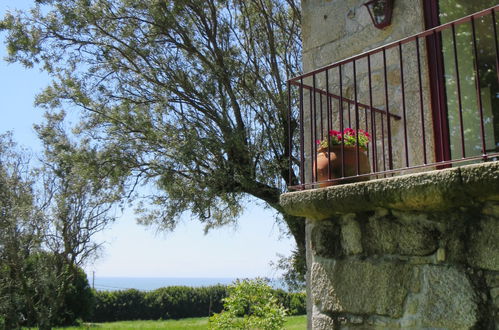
381 12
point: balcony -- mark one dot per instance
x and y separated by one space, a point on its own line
428 101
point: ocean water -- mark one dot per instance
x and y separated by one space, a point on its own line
152 283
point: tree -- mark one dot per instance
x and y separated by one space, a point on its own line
79 199
78 207
21 229
189 95
41 283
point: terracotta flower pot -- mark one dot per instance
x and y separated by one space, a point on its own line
334 158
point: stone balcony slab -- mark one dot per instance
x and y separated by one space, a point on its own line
426 191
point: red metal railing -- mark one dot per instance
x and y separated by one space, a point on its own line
385 92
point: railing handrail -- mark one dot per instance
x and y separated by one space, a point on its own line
396 43
327 117
344 99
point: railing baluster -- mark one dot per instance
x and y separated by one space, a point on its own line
302 138
421 104
367 130
387 109
440 102
458 87
357 154
290 138
373 116
329 110
403 106
383 141
478 88
313 132
341 125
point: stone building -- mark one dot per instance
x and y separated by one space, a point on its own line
417 245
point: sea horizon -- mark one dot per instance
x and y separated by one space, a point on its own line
115 283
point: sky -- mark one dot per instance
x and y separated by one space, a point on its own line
132 250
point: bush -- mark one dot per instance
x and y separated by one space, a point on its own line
119 305
176 302
173 302
44 293
251 304
294 302
297 303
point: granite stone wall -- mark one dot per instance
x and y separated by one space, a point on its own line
415 251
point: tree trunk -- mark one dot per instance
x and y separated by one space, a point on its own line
296 226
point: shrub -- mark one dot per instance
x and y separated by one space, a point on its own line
176 302
294 302
79 299
45 293
119 305
172 302
251 304
297 303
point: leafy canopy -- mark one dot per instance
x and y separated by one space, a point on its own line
187 94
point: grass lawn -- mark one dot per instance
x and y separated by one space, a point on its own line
292 323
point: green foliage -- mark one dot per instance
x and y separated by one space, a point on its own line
293 302
46 228
79 299
53 281
173 302
294 280
119 305
251 304
41 285
176 302
189 96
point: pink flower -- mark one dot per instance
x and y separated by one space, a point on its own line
365 133
318 141
348 131
334 133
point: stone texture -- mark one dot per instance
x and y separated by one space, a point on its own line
360 287
326 239
484 244
447 299
434 190
347 26
351 235
390 235
492 279
321 321
428 191
481 180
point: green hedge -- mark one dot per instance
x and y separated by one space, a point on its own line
294 302
174 302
